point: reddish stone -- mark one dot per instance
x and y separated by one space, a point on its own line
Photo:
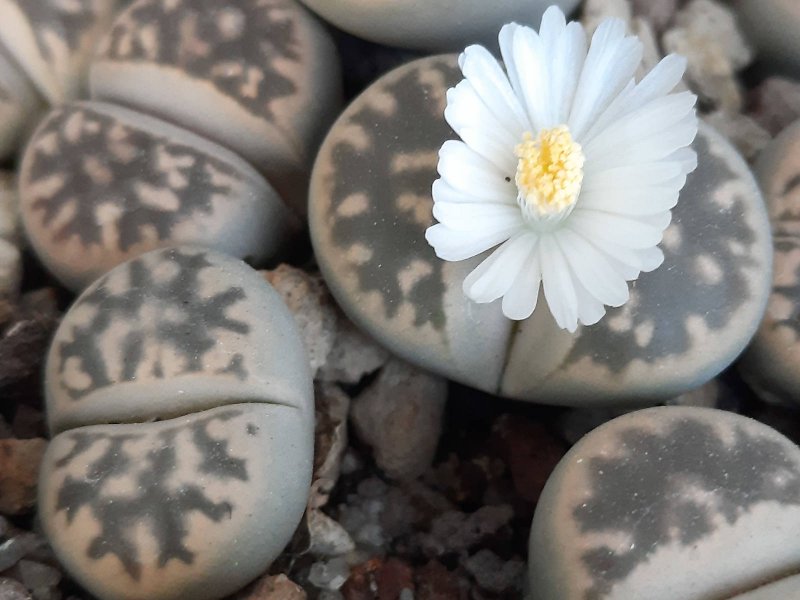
394 577
531 452
435 582
377 579
19 473
362 584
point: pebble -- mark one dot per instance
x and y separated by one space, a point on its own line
389 579
659 14
775 104
10 238
771 26
772 362
432 26
370 205
435 582
330 574
353 355
274 587
19 471
100 184
312 308
594 12
400 416
20 107
746 134
456 531
655 504
266 72
11 589
180 398
494 574
11 552
707 34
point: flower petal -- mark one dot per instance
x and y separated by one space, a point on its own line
558 287
489 147
631 233
532 74
651 258
453 245
568 57
631 201
466 109
483 71
494 276
463 216
630 176
466 171
660 81
590 309
610 64
444 192
520 300
591 269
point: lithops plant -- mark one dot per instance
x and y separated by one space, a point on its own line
181 402
656 504
370 205
772 362
260 77
20 106
434 25
100 184
771 26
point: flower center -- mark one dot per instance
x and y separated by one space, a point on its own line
549 172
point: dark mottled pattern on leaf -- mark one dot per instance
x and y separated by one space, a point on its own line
705 229
395 237
190 337
649 494
66 19
157 503
113 164
235 46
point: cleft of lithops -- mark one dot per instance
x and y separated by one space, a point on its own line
190 122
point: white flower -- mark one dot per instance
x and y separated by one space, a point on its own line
565 161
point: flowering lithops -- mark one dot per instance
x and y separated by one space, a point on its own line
371 204
181 399
667 503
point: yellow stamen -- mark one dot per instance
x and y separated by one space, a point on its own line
549 171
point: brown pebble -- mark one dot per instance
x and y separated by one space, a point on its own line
435 582
531 452
19 471
377 579
274 587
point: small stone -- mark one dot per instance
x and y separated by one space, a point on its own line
531 453
11 589
749 137
23 344
330 574
311 306
328 538
706 33
377 579
275 587
400 416
19 472
36 576
10 255
11 551
775 104
435 582
595 11
771 26
659 13
494 574
455 531
706 396
352 356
